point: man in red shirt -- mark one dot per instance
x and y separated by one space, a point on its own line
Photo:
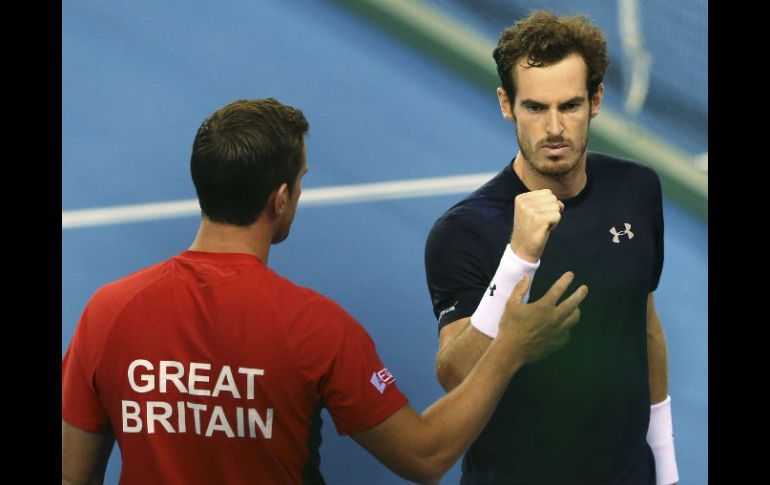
210 368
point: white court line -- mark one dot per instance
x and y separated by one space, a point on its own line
340 194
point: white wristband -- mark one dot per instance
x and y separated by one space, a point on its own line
511 269
660 437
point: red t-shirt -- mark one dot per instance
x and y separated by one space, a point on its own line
211 369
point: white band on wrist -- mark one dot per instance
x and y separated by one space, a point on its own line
660 437
511 269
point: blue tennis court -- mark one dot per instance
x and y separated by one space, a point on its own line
138 78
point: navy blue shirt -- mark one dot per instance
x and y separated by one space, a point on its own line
579 416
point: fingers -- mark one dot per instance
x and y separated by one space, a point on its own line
542 202
572 302
535 215
552 217
520 289
542 194
557 289
571 319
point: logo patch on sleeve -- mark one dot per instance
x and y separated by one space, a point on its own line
381 379
445 311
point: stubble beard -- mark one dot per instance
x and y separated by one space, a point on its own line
552 166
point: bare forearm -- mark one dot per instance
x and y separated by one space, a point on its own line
659 433
66 481
84 455
448 427
658 367
657 356
423 447
456 420
456 358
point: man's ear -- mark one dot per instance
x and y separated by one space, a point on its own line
596 100
278 201
505 105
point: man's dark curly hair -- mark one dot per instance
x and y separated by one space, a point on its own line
543 39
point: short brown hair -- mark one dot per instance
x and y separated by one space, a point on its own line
543 39
241 153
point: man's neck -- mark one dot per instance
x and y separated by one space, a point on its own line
214 237
563 186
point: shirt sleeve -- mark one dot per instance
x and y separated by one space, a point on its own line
340 362
80 401
657 224
457 270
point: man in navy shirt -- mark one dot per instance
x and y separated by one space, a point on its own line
596 411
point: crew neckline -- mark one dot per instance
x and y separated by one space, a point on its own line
219 257
519 184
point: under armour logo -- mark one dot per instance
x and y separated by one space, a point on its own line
616 235
492 289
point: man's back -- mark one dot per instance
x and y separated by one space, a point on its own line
211 365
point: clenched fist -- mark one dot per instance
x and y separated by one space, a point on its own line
535 215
